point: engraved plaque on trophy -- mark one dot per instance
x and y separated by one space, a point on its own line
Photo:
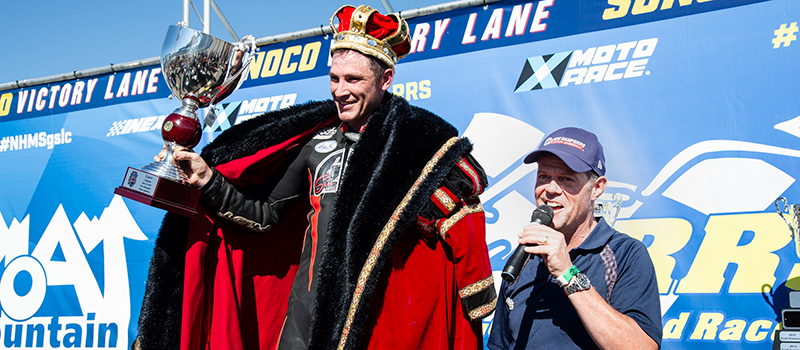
200 70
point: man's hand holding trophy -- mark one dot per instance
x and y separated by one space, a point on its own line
200 70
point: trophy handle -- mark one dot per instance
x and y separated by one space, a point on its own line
794 211
246 48
247 58
780 211
617 204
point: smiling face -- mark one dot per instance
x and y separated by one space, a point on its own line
355 88
570 194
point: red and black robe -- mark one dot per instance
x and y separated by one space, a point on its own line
389 275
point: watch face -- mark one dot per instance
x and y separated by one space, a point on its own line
580 282
585 284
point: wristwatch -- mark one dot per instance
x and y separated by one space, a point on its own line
579 282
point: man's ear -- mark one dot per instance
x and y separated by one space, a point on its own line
386 79
599 187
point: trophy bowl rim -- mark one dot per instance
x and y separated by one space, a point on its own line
170 49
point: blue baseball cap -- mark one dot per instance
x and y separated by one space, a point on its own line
578 148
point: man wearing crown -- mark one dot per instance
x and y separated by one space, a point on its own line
351 224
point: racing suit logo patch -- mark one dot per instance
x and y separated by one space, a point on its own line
328 172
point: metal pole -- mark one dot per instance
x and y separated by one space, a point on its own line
186 12
207 16
387 6
224 21
199 17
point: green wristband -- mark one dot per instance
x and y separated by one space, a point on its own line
564 279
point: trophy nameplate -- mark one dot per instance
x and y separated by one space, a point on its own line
159 192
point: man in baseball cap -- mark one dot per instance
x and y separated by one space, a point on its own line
565 296
579 149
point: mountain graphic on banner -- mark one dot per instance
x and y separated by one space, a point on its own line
59 263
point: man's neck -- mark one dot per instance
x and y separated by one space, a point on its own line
582 232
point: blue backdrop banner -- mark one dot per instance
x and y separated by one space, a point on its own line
692 100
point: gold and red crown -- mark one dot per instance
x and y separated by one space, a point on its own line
365 30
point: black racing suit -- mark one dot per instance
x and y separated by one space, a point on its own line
317 168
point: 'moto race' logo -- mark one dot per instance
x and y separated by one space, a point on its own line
593 65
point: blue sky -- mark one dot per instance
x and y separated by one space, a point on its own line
46 37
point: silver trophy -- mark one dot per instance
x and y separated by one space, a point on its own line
200 70
608 209
793 210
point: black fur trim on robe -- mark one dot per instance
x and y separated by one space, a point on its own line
395 146
160 317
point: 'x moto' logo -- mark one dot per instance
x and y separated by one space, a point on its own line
543 72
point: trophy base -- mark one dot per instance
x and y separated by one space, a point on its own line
159 192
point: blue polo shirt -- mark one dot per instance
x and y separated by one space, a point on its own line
534 312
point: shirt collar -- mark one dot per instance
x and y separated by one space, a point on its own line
599 236
346 128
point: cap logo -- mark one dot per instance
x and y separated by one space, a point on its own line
561 140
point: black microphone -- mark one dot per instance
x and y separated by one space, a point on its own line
543 215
